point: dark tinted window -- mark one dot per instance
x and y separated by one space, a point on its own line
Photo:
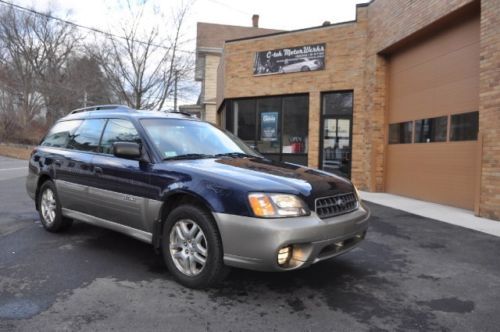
86 137
295 124
431 130
245 112
400 133
464 127
118 130
59 135
337 103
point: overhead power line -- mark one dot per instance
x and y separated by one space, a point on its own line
107 34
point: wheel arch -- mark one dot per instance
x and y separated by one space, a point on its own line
41 180
170 202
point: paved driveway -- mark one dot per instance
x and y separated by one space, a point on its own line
411 273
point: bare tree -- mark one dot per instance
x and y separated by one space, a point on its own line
85 77
142 66
33 52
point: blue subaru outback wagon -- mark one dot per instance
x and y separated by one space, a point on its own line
198 194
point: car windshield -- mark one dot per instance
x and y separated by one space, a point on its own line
187 139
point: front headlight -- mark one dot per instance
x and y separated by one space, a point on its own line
277 205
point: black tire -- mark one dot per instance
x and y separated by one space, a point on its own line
214 270
59 223
305 68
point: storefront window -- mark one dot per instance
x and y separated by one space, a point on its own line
431 130
295 124
268 139
276 126
244 114
464 127
400 133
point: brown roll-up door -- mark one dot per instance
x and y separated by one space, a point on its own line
438 76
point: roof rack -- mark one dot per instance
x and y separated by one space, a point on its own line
101 108
180 112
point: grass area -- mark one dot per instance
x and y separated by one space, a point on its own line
15 151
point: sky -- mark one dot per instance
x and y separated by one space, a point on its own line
275 14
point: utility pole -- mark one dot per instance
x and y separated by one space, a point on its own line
176 78
85 98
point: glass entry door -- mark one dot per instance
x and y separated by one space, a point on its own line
337 146
336 137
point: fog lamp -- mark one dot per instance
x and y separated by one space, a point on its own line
284 255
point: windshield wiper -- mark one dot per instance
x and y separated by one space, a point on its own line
189 156
234 155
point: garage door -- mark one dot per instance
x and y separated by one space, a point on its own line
433 104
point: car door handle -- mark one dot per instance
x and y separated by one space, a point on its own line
98 171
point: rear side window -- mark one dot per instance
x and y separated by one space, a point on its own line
87 136
60 134
118 130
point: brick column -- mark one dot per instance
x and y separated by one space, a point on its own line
314 128
489 109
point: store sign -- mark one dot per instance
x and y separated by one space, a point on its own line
269 126
290 60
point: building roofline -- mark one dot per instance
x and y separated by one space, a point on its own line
238 26
212 50
359 5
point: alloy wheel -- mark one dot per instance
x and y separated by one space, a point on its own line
188 247
48 206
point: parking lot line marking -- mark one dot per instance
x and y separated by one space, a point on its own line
13 169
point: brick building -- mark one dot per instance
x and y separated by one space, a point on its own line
405 99
209 45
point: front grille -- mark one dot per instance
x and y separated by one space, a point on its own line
331 206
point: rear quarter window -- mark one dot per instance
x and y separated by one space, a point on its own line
59 135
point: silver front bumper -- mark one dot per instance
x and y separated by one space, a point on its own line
253 243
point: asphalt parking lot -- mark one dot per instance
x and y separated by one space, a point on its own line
411 273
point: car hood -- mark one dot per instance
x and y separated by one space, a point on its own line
263 175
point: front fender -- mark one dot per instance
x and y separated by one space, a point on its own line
217 197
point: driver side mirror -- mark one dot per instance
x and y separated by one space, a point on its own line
127 150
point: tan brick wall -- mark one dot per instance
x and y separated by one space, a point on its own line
392 20
314 128
353 62
344 71
211 113
210 86
489 109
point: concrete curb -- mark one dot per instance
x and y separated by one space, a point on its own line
447 214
